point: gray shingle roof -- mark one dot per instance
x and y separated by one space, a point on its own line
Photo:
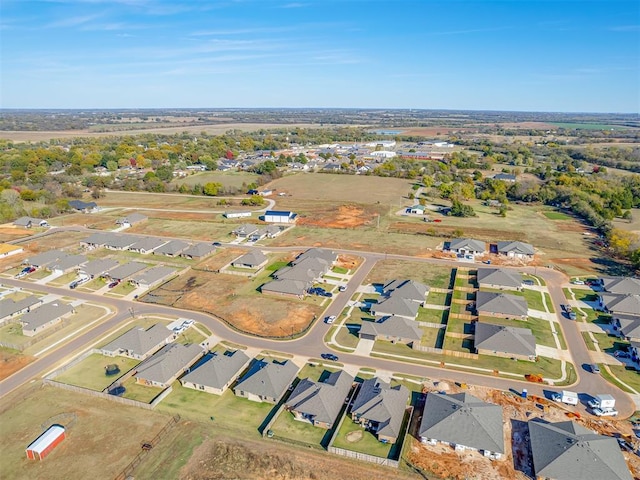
395 306
125 270
502 303
217 371
568 451
9 306
328 256
153 275
393 326
45 258
291 287
622 285
99 267
147 244
408 289
246 229
464 420
44 314
499 276
67 262
468 244
268 379
377 401
138 340
629 325
198 250
169 361
516 247
500 338
133 218
626 304
321 400
174 247
254 258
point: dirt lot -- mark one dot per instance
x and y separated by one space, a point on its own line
8 233
345 216
43 244
11 362
236 300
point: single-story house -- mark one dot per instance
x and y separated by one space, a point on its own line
152 277
619 304
628 326
277 216
393 329
246 229
515 249
253 260
28 222
499 278
6 250
147 245
266 381
320 402
408 289
285 288
198 250
621 285
124 271
568 451
467 246
131 219
505 305
380 409
464 422
172 249
329 257
164 366
217 373
10 307
395 306
415 210
45 258
67 264
257 235
46 316
635 350
98 268
84 207
139 343
504 341
112 241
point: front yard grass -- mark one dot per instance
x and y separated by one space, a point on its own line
190 336
588 341
539 327
610 343
90 372
628 375
534 299
348 335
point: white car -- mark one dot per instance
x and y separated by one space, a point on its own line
329 320
608 412
556 397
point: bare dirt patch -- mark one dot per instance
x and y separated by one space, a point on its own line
345 216
10 362
8 233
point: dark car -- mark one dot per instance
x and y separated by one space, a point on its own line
216 244
114 284
330 356
327 294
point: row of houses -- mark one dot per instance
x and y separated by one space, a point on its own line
620 297
296 279
35 316
147 245
469 247
253 232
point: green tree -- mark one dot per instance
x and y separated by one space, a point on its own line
211 188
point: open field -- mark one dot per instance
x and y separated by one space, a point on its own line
186 228
90 373
102 440
11 361
432 275
227 179
140 200
218 129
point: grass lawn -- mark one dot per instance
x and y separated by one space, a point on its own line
228 179
628 375
272 267
534 299
540 328
315 372
227 410
123 288
588 341
203 329
550 306
38 274
432 337
141 393
368 444
557 216
432 316
63 280
431 275
458 325
610 343
190 336
288 427
340 270
348 335
439 298
536 280
90 372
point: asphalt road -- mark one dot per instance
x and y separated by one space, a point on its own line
312 343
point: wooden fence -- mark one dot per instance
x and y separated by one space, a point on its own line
33 340
365 457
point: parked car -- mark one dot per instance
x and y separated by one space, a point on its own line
114 283
577 282
216 244
595 368
621 354
73 285
327 294
330 356
572 316
608 412
527 282
342 288
330 319
556 397
31 269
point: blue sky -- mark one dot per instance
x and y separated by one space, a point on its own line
566 56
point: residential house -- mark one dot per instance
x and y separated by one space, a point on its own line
164 366
619 304
216 373
515 249
6 250
380 409
98 268
635 350
147 245
67 264
415 210
112 241
407 289
124 271
499 278
285 288
505 177
236 214
392 329
45 258
464 422
198 250
253 260
172 249
278 216
568 451
139 343
28 222
620 285
153 276
627 326
84 207
257 235
246 229
266 381
131 219
503 305
10 308
320 403
395 306
467 247
504 341
35 321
